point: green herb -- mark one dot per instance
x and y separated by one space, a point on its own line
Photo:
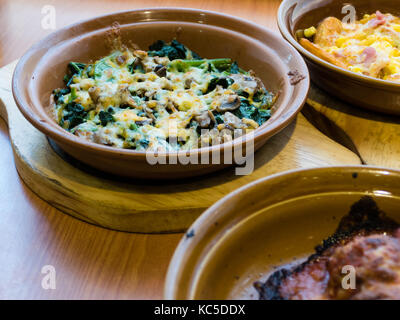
133 126
182 65
99 69
73 93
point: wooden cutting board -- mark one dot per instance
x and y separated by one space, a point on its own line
152 207
372 136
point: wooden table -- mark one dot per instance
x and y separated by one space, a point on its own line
90 262
95 263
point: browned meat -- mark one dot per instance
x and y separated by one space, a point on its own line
365 240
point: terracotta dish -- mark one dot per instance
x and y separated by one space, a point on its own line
210 34
272 222
364 91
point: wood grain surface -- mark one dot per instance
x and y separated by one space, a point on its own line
374 137
156 207
92 262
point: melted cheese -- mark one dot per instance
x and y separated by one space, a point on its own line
140 109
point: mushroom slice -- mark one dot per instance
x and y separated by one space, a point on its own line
204 119
160 70
232 102
144 122
94 93
188 83
140 54
211 115
149 113
231 120
244 81
88 135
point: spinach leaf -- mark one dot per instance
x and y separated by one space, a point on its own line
144 143
158 45
267 100
242 93
247 110
224 82
74 68
134 66
218 118
234 68
174 50
58 93
179 47
75 114
258 96
262 116
105 117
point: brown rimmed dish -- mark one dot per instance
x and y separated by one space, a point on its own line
366 92
272 222
211 34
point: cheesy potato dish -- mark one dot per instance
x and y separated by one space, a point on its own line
164 99
370 46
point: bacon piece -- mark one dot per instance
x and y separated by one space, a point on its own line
378 21
369 55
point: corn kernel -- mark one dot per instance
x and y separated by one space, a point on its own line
340 41
391 68
308 33
355 69
395 53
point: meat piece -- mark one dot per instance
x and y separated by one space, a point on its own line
376 260
365 240
369 55
378 21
